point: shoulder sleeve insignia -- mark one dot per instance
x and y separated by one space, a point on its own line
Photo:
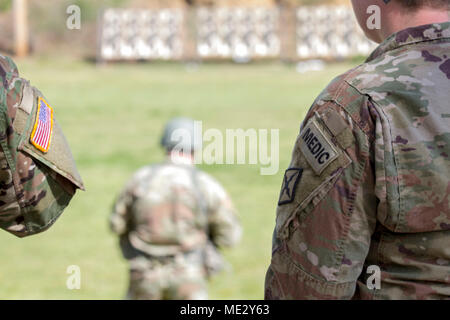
291 178
43 127
318 150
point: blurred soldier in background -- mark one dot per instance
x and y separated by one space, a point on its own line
38 176
364 210
171 218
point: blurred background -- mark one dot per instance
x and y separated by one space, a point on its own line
131 67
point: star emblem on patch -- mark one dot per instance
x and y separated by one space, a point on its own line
291 178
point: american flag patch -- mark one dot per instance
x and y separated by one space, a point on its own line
42 131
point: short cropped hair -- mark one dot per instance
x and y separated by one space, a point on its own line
420 3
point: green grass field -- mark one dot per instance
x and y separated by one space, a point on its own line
112 116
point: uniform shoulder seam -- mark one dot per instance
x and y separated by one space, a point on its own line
345 82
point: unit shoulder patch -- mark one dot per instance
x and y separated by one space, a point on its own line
291 178
43 126
318 150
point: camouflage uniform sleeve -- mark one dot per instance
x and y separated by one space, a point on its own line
38 176
224 226
327 206
119 220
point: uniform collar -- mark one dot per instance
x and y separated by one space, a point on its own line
428 32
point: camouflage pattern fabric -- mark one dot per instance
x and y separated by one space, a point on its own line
35 186
168 211
369 180
181 277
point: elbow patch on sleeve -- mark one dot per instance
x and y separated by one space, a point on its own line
287 281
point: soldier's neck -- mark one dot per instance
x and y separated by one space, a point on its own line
394 21
181 158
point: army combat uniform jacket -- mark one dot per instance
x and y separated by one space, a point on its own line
38 176
170 218
168 209
368 187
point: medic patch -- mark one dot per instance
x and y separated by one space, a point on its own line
315 146
291 178
43 127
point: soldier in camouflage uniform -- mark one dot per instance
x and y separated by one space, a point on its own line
369 180
170 219
38 176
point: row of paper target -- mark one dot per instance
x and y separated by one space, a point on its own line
229 33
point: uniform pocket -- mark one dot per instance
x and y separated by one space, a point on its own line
316 165
287 281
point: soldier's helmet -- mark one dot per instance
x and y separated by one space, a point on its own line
179 135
